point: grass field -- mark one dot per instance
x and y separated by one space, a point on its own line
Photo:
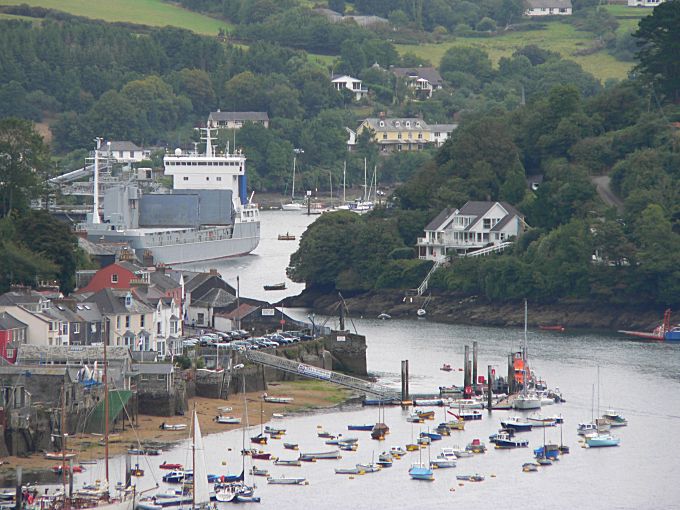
12 16
560 37
146 12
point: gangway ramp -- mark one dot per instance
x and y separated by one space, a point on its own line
304 370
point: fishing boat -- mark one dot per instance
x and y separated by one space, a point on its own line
367 427
446 367
348 447
171 466
615 419
174 476
528 467
602 440
470 415
229 420
286 237
349 471
275 286
290 446
419 471
556 327
324 434
476 446
173 426
413 418
259 439
288 462
516 423
286 481
541 421
505 440
471 478
277 400
371 467
425 415
550 451
664 332
255 471
432 435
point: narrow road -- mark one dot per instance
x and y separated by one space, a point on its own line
603 188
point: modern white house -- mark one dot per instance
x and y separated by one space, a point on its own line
167 319
548 8
345 82
236 120
644 3
124 152
474 226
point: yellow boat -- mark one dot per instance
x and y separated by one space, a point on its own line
412 447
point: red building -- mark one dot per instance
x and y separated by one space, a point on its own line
120 275
12 333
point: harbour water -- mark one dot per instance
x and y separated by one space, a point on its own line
641 380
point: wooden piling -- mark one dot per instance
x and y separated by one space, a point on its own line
18 495
511 375
474 367
405 397
489 403
466 374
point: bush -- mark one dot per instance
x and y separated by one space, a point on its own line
183 362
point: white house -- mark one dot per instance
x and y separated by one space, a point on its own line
549 8
422 80
344 82
439 133
167 319
236 120
475 225
124 152
644 3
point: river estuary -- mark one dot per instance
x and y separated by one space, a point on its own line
641 380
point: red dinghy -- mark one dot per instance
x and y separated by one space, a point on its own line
552 328
446 367
174 467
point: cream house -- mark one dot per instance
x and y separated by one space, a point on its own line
403 134
129 321
474 226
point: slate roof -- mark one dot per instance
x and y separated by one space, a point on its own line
77 354
339 77
36 370
439 219
120 145
15 297
245 116
390 124
428 73
549 4
215 298
88 311
443 128
112 301
7 322
162 281
475 208
242 311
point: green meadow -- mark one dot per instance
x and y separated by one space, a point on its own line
145 12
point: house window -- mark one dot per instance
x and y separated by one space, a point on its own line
437 135
399 136
144 377
418 123
384 136
487 223
173 327
397 124
218 178
114 278
9 353
207 178
160 377
118 322
127 321
64 328
201 318
408 123
420 136
160 347
76 328
158 328
399 147
142 320
185 178
382 123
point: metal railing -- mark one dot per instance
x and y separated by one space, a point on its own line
312 372
496 248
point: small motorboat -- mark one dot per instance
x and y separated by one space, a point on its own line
136 471
442 463
332 454
414 418
152 451
259 439
229 420
60 455
278 416
517 424
421 312
325 434
505 440
136 451
424 441
287 481
432 435
600 440
174 477
291 446
397 452
443 429
614 418
528 467
384 316
476 446
446 367
288 462
471 478
385 460
255 471
426 415
274 431
276 286
544 461
412 447
278 400
342 440
367 426
541 421
286 237
470 414
349 471
261 455
371 467
173 426
174 467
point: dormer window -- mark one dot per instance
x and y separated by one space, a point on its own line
408 123
128 300
382 123
397 123
417 123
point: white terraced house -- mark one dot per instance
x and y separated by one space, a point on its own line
474 226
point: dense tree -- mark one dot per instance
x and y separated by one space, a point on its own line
659 40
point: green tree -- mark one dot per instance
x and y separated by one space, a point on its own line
467 60
659 41
24 165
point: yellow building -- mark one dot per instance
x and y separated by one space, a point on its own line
403 134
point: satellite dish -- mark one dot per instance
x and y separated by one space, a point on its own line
178 151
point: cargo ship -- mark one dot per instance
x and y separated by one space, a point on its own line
206 216
664 332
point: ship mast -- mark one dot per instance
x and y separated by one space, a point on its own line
106 415
95 212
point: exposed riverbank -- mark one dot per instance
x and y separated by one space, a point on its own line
307 396
459 309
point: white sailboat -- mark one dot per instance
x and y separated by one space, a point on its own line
201 487
293 205
526 400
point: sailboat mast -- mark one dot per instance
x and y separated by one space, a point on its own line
106 415
193 460
63 438
344 175
292 196
95 203
524 351
365 177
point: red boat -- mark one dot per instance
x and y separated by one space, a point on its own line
174 467
663 332
552 328
59 469
446 367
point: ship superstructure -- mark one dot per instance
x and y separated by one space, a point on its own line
206 216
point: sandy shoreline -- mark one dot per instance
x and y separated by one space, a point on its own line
307 395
